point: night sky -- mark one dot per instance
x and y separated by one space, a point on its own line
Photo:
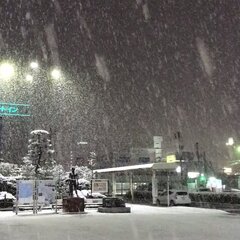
150 67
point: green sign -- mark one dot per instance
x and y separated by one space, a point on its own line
14 109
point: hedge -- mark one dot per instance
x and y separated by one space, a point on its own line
197 197
211 197
139 196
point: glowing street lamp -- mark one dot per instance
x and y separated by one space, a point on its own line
29 78
178 169
6 71
56 74
82 143
230 142
34 65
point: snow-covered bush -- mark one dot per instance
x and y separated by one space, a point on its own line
58 171
9 169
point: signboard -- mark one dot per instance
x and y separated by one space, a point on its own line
100 185
157 141
14 109
157 144
46 192
158 155
25 192
171 158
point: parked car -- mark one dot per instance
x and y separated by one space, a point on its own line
176 197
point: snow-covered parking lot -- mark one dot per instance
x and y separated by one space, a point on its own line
143 223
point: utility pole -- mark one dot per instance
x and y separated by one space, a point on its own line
198 157
180 147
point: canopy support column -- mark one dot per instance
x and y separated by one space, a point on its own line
154 187
131 185
114 187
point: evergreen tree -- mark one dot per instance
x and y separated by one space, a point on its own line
39 161
27 168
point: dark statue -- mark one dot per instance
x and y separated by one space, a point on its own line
73 182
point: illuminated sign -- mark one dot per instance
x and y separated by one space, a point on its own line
14 109
171 158
227 170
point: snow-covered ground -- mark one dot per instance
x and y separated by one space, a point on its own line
143 223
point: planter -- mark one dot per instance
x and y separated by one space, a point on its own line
114 209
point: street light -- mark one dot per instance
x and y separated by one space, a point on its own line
29 78
34 65
6 71
56 74
230 141
82 143
178 169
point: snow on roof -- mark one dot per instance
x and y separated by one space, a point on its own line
39 131
156 166
125 168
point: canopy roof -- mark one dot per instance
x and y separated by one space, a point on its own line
153 166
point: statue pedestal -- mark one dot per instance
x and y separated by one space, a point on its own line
73 205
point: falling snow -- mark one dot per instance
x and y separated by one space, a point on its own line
131 70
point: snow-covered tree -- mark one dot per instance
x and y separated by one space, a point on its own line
27 168
83 172
39 160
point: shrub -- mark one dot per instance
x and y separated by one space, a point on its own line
139 196
230 198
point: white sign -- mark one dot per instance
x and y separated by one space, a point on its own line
46 192
157 141
100 185
25 192
158 154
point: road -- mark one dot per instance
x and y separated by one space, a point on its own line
143 223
